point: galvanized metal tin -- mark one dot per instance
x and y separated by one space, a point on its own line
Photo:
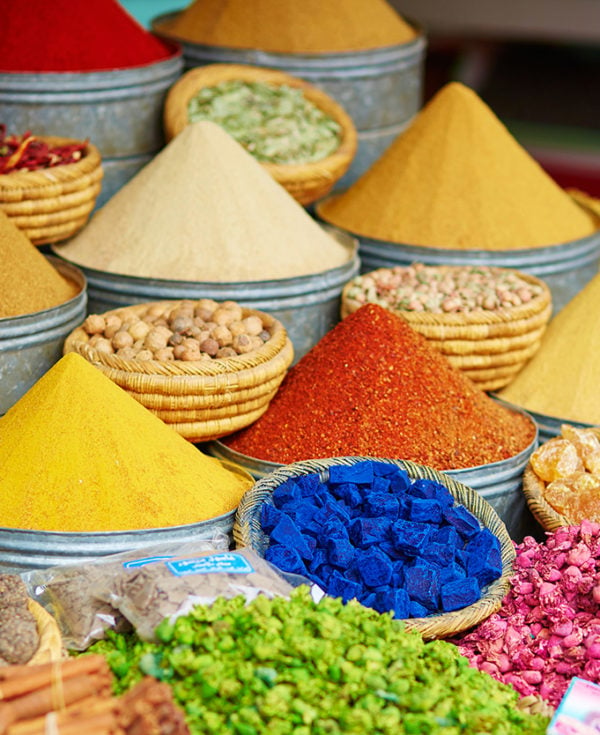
22 550
32 343
499 483
119 110
308 306
566 268
381 89
549 426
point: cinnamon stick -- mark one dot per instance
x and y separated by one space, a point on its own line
24 679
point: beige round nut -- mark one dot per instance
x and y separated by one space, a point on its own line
164 355
222 335
190 355
139 330
253 325
178 351
127 353
225 352
113 324
104 345
210 346
122 339
94 324
242 344
237 327
224 316
145 355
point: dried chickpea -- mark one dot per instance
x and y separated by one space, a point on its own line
113 324
234 307
242 344
138 345
178 351
122 339
180 323
224 352
94 324
224 316
256 342
265 335
104 345
139 330
145 355
236 328
165 354
155 310
191 344
156 339
190 355
210 346
253 325
127 353
222 336
176 339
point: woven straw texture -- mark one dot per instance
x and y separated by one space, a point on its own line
247 531
533 489
305 182
200 400
491 347
50 647
53 204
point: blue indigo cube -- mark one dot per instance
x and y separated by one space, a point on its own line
340 552
286 492
399 481
350 494
459 594
319 558
304 516
365 532
481 543
448 535
424 510
322 496
439 554
368 598
463 520
308 484
377 505
360 473
423 585
374 567
486 569
461 557
398 574
334 528
417 611
451 573
269 517
339 586
286 533
285 558
386 469
390 550
393 600
325 572
380 485
409 537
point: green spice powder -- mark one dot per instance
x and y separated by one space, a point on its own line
275 123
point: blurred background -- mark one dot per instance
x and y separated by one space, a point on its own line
535 63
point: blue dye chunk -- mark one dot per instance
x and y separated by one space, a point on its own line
386 469
360 473
308 484
338 586
340 552
380 485
350 494
286 559
286 492
425 511
374 567
334 528
377 505
465 522
430 489
451 573
489 570
459 594
417 611
423 586
269 517
322 496
393 600
304 515
399 482
287 534
447 535
365 532
439 554
409 537
319 558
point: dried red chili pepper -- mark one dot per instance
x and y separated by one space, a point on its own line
373 386
29 153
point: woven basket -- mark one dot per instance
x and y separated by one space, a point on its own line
201 400
491 347
305 182
247 531
52 204
50 647
533 489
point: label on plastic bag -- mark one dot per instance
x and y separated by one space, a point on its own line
226 563
146 560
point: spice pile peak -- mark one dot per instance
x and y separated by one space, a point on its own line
111 464
373 386
310 26
562 378
204 210
28 282
456 178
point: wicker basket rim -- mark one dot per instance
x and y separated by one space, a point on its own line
211 74
476 317
279 341
441 624
20 179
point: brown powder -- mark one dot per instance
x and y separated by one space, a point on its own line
204 210
291 26
456 178
28 282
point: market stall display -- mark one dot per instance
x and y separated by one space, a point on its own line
303 138
93 74
487 321
562 479
48 185
490 202
559 384
361 53
205 368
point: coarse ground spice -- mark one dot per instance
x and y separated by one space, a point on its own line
289 26
80 454
28 282
72 36
204 210
372 386
456 178
562 378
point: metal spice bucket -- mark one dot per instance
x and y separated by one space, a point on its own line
119 111
32 343
498 482
565 268
381 89
308 306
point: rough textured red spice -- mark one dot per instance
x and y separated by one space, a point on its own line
70 35
374 386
